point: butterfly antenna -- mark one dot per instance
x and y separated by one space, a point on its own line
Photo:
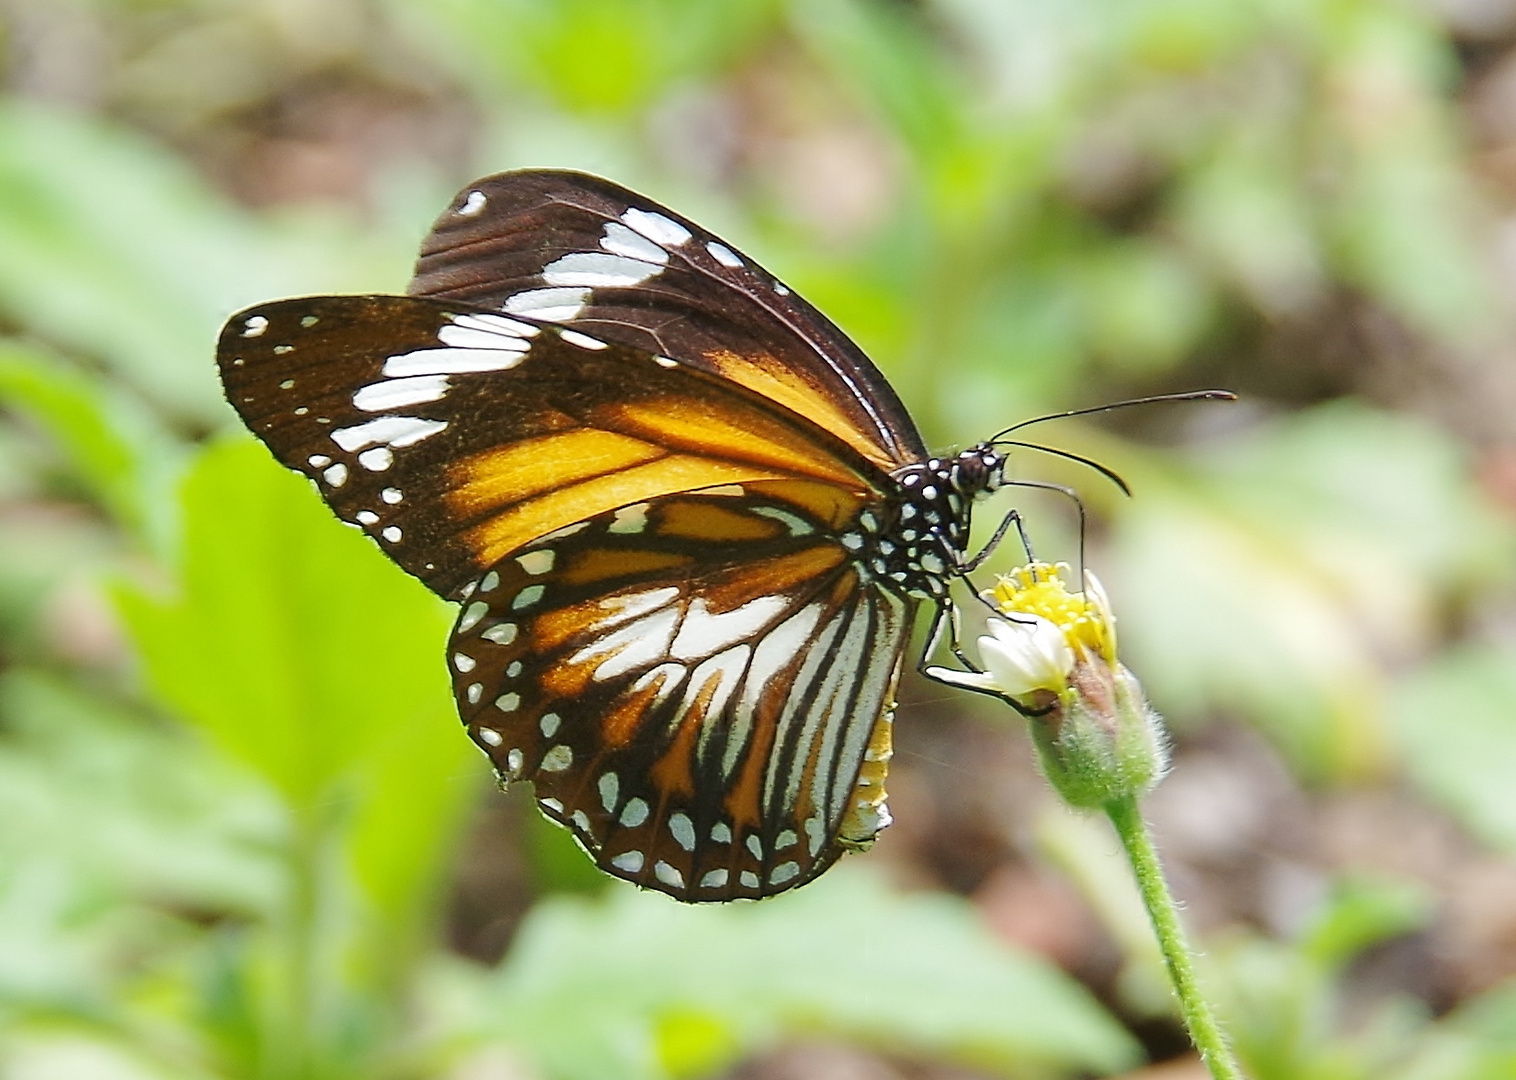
1189 395
1110 474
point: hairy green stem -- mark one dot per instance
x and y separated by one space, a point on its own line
1204 1031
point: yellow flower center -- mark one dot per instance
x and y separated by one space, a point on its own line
1038 589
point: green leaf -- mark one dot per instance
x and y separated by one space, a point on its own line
636 986
300 650
59 1053
900 68
1245 210
291 642
1147 305
1402 219
1360 913
124 840
599 56
1286 1002
132 808
1492 1016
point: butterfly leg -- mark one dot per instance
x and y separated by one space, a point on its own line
952 619
1014 518
945 621
971 676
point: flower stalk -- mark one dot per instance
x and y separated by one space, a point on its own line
1199 1018
1101 746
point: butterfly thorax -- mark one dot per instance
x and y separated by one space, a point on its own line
916 543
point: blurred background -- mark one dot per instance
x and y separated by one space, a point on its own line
241 832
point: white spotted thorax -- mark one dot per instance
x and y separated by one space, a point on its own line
920 550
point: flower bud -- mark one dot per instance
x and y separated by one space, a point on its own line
1053 656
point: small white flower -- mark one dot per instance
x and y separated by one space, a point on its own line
1031 653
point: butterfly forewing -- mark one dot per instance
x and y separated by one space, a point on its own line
698 685
579 250
454 436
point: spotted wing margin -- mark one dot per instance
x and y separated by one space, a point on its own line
576 249
454 436
699 687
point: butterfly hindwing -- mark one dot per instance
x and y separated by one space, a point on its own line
453 436
582 251
698 685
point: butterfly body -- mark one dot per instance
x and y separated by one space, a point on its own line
919 548
687 522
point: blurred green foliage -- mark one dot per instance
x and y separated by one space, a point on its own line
271 649
1328 542
1289 1015
843 958
231 788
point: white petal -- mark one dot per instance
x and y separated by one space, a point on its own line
1026 655
1096 598
968 679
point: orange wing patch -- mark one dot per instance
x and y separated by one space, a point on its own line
598 564
781 574
706 520
672 772
530 467
783 384
556 627
570 680
638 451
744 802
737 434
836 508
521 523
620 725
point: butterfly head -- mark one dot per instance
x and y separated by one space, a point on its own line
921 547
974 473
978 471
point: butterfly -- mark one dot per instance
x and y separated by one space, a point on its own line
687 522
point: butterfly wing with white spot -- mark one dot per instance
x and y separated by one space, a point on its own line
570 248
699 686
453 435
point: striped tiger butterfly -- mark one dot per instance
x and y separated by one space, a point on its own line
688 523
